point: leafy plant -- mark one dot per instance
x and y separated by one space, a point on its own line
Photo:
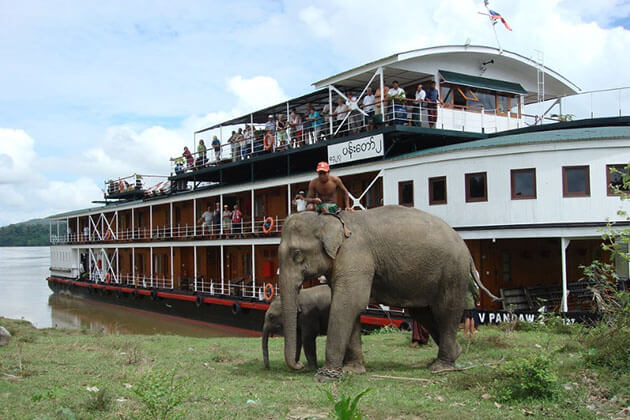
345 407
160 395
527 379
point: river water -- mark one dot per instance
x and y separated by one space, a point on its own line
24 294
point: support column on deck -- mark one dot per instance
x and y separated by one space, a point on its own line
171 218
133 266
195 218
172 270
133 235
151 264
222 271
252 213
564 244
195 265
253 271
151 224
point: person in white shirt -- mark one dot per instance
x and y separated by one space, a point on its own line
420 96
340 111
354 120
368 107
300 201
396 92
206 218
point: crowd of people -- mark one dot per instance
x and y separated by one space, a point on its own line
348 116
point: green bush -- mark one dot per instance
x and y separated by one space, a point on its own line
345 407
160 395
527 379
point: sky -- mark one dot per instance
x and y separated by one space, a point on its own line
92 90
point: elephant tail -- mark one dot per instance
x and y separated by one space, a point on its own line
475 276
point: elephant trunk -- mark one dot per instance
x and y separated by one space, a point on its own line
265 347
289 319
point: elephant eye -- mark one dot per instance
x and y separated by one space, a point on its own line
297 256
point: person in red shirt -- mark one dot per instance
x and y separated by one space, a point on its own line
237 219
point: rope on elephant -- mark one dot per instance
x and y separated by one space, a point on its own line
330 373
346 230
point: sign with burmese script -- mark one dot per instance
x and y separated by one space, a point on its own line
353 150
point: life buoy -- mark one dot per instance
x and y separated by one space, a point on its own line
268 292
267 225
199 301
108 235
121 186
108 278
236 308
268 140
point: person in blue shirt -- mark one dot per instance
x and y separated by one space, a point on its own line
432 98
315 121
216 145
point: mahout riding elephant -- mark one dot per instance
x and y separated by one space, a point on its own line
314 305
391 255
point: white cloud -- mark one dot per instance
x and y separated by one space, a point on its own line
316 21
257 92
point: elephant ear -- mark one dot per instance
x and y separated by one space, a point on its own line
331 236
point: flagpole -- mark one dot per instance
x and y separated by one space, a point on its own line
494 29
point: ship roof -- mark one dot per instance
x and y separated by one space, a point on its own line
407 66
470 65
529 137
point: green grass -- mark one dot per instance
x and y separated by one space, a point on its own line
44 374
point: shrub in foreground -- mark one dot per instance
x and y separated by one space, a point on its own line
525 379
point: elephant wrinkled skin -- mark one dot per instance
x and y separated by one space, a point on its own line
314 304
395 256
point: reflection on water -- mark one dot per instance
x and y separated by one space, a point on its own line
78 313
24 294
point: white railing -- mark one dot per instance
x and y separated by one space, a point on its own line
227 288
157 281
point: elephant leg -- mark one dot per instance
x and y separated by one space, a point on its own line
348 300
309 341
424 316
353 359
447 320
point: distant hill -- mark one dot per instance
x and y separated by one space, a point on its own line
30 233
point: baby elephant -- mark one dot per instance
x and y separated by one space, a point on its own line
314 303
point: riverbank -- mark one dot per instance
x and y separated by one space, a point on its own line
65 374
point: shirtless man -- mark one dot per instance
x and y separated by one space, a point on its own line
325 186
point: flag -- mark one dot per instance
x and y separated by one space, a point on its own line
496 16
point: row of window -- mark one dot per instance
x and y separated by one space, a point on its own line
575 183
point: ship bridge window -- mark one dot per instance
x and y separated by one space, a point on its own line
575 181
615 178
476 187
437 190
405 193
523 183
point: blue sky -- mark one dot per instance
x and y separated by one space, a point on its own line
93 90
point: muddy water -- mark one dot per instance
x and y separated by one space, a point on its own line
24 294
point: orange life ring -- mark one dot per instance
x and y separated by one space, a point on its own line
267 225
268 140
108 235
268 291
108 278
121 186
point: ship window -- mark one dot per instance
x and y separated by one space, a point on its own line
476 187
575 181
503 103
614 178
405 193
523 183
445 94
488 100
437 190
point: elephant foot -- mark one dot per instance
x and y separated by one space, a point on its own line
327 375
439 366
355 368
298 366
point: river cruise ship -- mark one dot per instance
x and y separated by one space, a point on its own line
507 151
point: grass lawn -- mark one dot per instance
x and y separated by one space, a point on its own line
45 374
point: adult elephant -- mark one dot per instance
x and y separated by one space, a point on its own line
392 255
314 305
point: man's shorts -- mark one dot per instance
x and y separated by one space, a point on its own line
331 207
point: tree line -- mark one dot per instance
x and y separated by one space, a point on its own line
31 233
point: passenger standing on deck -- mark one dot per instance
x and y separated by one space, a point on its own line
237 221
368 107
216 218
340 111
227 220
201 153
190 160
216 145
316 122
433 98
299 201
206 217
232 142
420 98
238 144
294 124
325 187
